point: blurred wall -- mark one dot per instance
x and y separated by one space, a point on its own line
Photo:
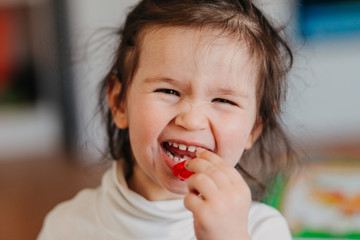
92 24
324 103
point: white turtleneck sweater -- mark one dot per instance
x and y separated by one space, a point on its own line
113 211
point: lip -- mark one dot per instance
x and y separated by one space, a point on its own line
169 162
187 144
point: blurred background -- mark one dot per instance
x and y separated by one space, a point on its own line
54 53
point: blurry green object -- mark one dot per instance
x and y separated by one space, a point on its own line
275 194
312 234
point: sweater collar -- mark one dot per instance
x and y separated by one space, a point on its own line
123 210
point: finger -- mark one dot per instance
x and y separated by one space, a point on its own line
219 163
199 165
193 201
201 184
211 156
204 167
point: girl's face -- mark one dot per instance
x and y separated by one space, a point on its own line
193 88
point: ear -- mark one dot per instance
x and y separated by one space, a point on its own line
118 109
255 133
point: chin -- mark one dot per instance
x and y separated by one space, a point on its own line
182 192
179 188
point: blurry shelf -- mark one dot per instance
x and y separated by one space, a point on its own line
36 103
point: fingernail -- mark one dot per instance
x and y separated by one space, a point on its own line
187 163
199 151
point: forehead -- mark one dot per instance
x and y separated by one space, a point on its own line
190 50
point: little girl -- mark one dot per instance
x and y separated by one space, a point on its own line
193 82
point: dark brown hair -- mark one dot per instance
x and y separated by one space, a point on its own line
272 152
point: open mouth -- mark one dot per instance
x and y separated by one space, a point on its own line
179 152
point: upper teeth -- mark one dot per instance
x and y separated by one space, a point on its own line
183 147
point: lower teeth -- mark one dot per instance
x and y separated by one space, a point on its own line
176 159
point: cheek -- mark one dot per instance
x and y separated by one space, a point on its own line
231 137
233 146
141 123
146 121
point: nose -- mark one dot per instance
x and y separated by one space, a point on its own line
192 118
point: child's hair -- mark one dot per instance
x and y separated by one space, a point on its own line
240 19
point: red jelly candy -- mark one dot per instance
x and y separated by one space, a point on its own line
181 172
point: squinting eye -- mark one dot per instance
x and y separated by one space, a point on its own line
221 100
168 91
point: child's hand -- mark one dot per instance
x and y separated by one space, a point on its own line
218 197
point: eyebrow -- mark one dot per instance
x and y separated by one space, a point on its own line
231 92
171 81
159 79
221 91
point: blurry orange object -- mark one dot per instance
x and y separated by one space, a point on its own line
346 204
